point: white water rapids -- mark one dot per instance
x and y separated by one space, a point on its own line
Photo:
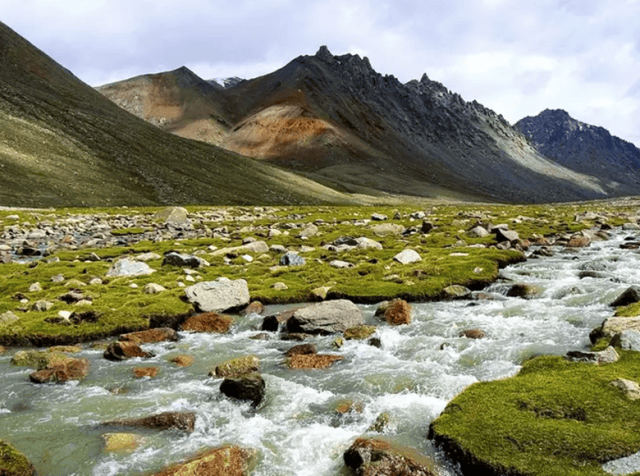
296 429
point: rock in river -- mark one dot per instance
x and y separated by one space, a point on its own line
326 317
184 421
223 461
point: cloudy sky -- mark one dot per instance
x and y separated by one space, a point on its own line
517 57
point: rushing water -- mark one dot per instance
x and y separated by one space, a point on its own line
297 430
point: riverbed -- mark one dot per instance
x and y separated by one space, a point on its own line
297 430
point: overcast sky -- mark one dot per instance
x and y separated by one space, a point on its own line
517 57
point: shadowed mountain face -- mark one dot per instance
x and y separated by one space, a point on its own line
64 144
587 149
335 119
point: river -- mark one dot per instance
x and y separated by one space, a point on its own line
297 431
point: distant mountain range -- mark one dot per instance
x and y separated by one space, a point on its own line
584 148
339 127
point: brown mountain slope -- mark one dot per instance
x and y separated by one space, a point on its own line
64 144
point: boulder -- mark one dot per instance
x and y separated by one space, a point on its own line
129 268
153 288
184 421
255 307
182 360
627 340
218 296
379 217
472 334
118 351
37 359
456 291
150 336
141 372
630 388
382 422
524 291
579 240
183 260
245 387
7 317
326 317
478 232
387 229
607 356
396 312
407 257
302 349
292 259
336 263
13 462
426 227
121 441
176 216
309 231
61 369
208 322
359 332
367 243
312 361
223 461
630 296
148 257
237 367
615 325
503 235
376 457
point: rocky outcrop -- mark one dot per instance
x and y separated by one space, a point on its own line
223 461
326 318
375 457
184 421
219 296
61 369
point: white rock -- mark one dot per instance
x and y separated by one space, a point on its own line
127 267
219 295
153 288
35 288
407 257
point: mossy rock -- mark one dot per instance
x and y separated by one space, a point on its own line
37 359
224 461
13 462
236 367
359 332
555 418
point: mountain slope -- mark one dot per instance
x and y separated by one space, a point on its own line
336 120
64 144
584 148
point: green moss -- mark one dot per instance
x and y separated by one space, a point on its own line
14 463
554 418
632 310
359 332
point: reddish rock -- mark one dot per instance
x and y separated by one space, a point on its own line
256 307
182 360
579 240
302 349
312 361
61 369
473 334
397 313
208 322
224 461
141 372
150 336
184 421
376 457
118 351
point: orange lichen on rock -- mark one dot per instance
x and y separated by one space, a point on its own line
312 361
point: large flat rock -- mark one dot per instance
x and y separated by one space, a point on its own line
327 317
219 295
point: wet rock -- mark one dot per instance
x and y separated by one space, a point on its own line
184 421
382 422
396 312
121 441
150 336
407 257
630 296
237 367
472 334
183 260
375 342
607 356
627 340
128 268
119 351
13 462
2 350
182 360
292 259
245 387
630 388
153 288
578 240
255 307
208 322
7 318
61 369
37 359
359 332
312 361
375 457
218 296
456 292
524 291
592 274
302 349
141 372
223 461
326 318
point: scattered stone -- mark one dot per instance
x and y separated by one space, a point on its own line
7 317
279 286
524 291
607 356
141 372
427 227
58 278
359 332
615 325
35 288
245 387
375 457
292 259
456 292
627 340
150 336
118 351
218 296
153 288
148 257
382 422
128 268
321 293
326 317
503 235
312 361
340 264
387 229
407 257
579 240
13 462
61 368
182 360
121 441
183 260
630 296
396 312
184 421
472 334
379 217
223 461
309 231
176 216
478 232
365 243
236 367
630 388
208 322
255 307
302 349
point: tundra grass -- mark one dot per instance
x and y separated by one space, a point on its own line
555 418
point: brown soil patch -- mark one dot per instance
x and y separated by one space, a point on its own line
312 361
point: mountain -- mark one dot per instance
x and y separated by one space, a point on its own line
338 121
64 144
584 148
225 83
